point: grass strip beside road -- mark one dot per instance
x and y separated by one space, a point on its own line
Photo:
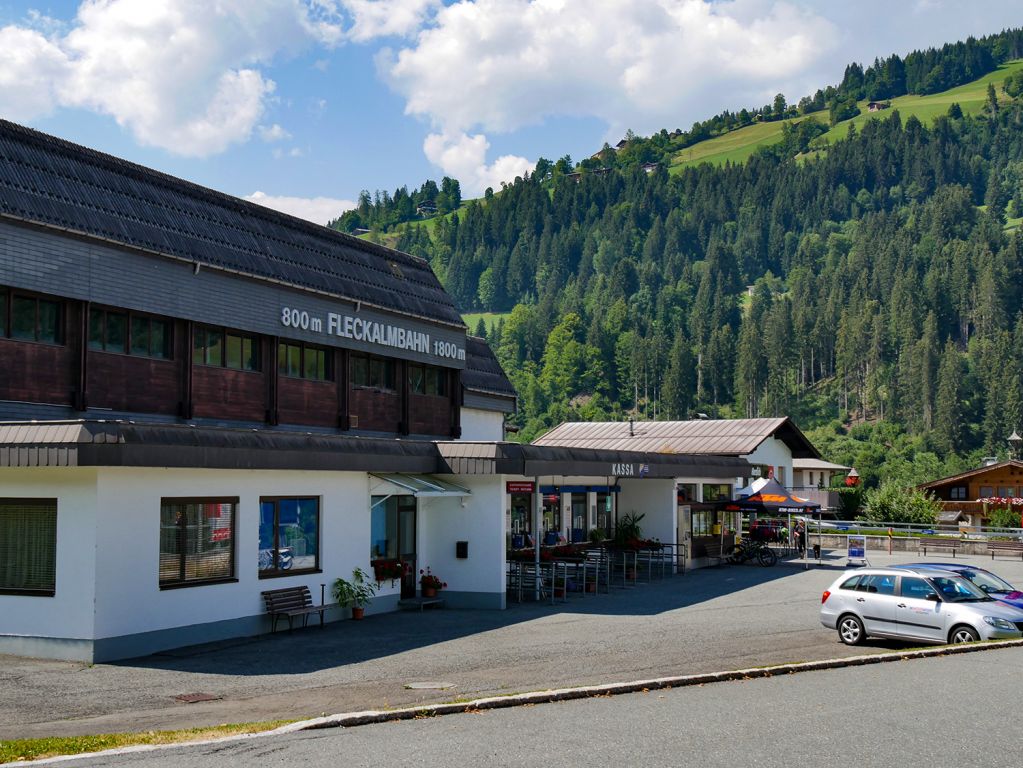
17 750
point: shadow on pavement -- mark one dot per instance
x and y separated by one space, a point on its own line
387 634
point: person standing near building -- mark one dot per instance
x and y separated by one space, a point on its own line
800 535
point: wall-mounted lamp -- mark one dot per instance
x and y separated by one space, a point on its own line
196 267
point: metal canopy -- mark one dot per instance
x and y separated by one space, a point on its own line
504 458
423 485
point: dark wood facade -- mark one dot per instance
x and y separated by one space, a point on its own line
70 374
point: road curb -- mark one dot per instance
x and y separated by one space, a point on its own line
369 717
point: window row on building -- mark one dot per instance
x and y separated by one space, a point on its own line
198 539
128 369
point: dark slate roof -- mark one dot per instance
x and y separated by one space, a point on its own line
54 183
483 373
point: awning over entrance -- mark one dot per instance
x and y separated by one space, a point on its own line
424 485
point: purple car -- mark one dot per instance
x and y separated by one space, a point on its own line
993 585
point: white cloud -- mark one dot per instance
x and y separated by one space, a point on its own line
464 157
273 132
319 210
493 66
184 75
502 64
30 67
382 18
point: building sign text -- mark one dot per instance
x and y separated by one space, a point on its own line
371 332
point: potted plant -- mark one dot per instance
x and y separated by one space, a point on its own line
430 584
354 594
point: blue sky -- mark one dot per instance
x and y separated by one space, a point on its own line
300 104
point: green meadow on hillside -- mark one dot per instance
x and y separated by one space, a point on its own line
969 97
737 146
490 319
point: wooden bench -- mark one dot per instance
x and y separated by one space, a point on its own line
716 550
939 543
292 602
1005 548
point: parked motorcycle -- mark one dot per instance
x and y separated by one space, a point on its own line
285 559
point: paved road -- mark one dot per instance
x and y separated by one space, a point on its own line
708 620
902 713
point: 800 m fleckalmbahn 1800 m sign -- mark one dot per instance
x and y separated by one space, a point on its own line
371 332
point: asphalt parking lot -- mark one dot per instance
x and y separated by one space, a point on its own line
714 619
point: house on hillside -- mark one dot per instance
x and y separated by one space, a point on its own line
877 106
969 497
426 208
650 167
622 144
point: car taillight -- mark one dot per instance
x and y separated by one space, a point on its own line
825 596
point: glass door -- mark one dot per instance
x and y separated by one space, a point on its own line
407 544
551 518
580 525
393 537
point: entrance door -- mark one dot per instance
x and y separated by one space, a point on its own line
393 536
579 517
407 544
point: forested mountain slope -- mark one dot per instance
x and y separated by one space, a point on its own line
872 291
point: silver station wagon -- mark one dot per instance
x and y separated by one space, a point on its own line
925 606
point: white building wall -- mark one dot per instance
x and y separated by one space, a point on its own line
69 613
775 453
128 543
477 581
655 499
482 425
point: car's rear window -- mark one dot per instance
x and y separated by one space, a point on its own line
850 583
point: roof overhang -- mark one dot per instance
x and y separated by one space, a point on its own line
125 444
953 479
503 458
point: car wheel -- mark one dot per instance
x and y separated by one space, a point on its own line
850 630
766 557
963 634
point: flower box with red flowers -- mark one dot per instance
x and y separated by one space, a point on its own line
388 569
